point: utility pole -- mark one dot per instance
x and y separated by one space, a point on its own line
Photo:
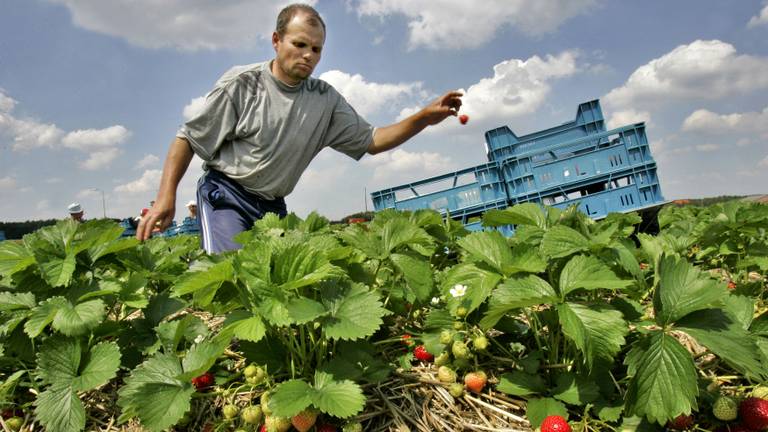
103 202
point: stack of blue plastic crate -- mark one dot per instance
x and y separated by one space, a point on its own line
576 162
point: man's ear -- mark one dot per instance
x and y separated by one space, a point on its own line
275 39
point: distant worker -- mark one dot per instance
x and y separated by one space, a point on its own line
192 207
76 212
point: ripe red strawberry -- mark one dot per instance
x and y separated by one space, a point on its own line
754 413
304 420
681 422
263 428
463 119
421 353
203 381
475 381
208 427
731 285
555 423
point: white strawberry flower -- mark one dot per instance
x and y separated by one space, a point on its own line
435 301
458 290
199 339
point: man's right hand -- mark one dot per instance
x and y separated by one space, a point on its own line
159 217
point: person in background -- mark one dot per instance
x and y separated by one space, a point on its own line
261 126
76 212
192 207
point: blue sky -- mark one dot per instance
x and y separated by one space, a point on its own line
92 91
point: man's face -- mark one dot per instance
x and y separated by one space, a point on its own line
298 51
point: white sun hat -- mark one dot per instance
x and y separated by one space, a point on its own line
74 208
192 203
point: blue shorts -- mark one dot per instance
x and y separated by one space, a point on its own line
227 209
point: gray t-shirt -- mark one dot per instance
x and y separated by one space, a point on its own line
263 133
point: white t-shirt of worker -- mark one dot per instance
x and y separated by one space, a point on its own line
263 133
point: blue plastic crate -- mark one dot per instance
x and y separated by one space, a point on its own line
632 189
503 143
470 189
506 230
577 160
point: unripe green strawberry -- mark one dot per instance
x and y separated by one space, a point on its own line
480 343
725 409
251 414
460 350
446 337
254 375
352 427
251 370
456 390
230 411
14 423
443 359
265 404
458 325
446 374
461 311
760 392
277 424
240 430
304 420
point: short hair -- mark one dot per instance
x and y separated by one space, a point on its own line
286 15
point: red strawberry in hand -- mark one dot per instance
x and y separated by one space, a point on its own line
463 119
555 423
754 413
203 381
421 353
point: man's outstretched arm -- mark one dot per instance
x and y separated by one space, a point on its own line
161 214
389 137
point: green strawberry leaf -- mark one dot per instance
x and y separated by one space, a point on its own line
575 390
341 399
399 232
664 385
59 361
479 282
417 273
76 320
154 394
539 409
57 271
561 241
101 365
204 284
526 260
589 273
520 214
14 257
597 330
489 247
245 326
301 265
683 289
42 315
741 308
60 410
14 301
517 292
519 383
291 397
201 357
355 312
726 337
303 310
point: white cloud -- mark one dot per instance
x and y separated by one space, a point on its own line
6 103
707 70
763 163
705 121
455 24
101 145
399 164
193 107
148 182
7 182
43 205
88 139
147 161
234 24
369 97
709 147
100 160
517 87
760 19
628 116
